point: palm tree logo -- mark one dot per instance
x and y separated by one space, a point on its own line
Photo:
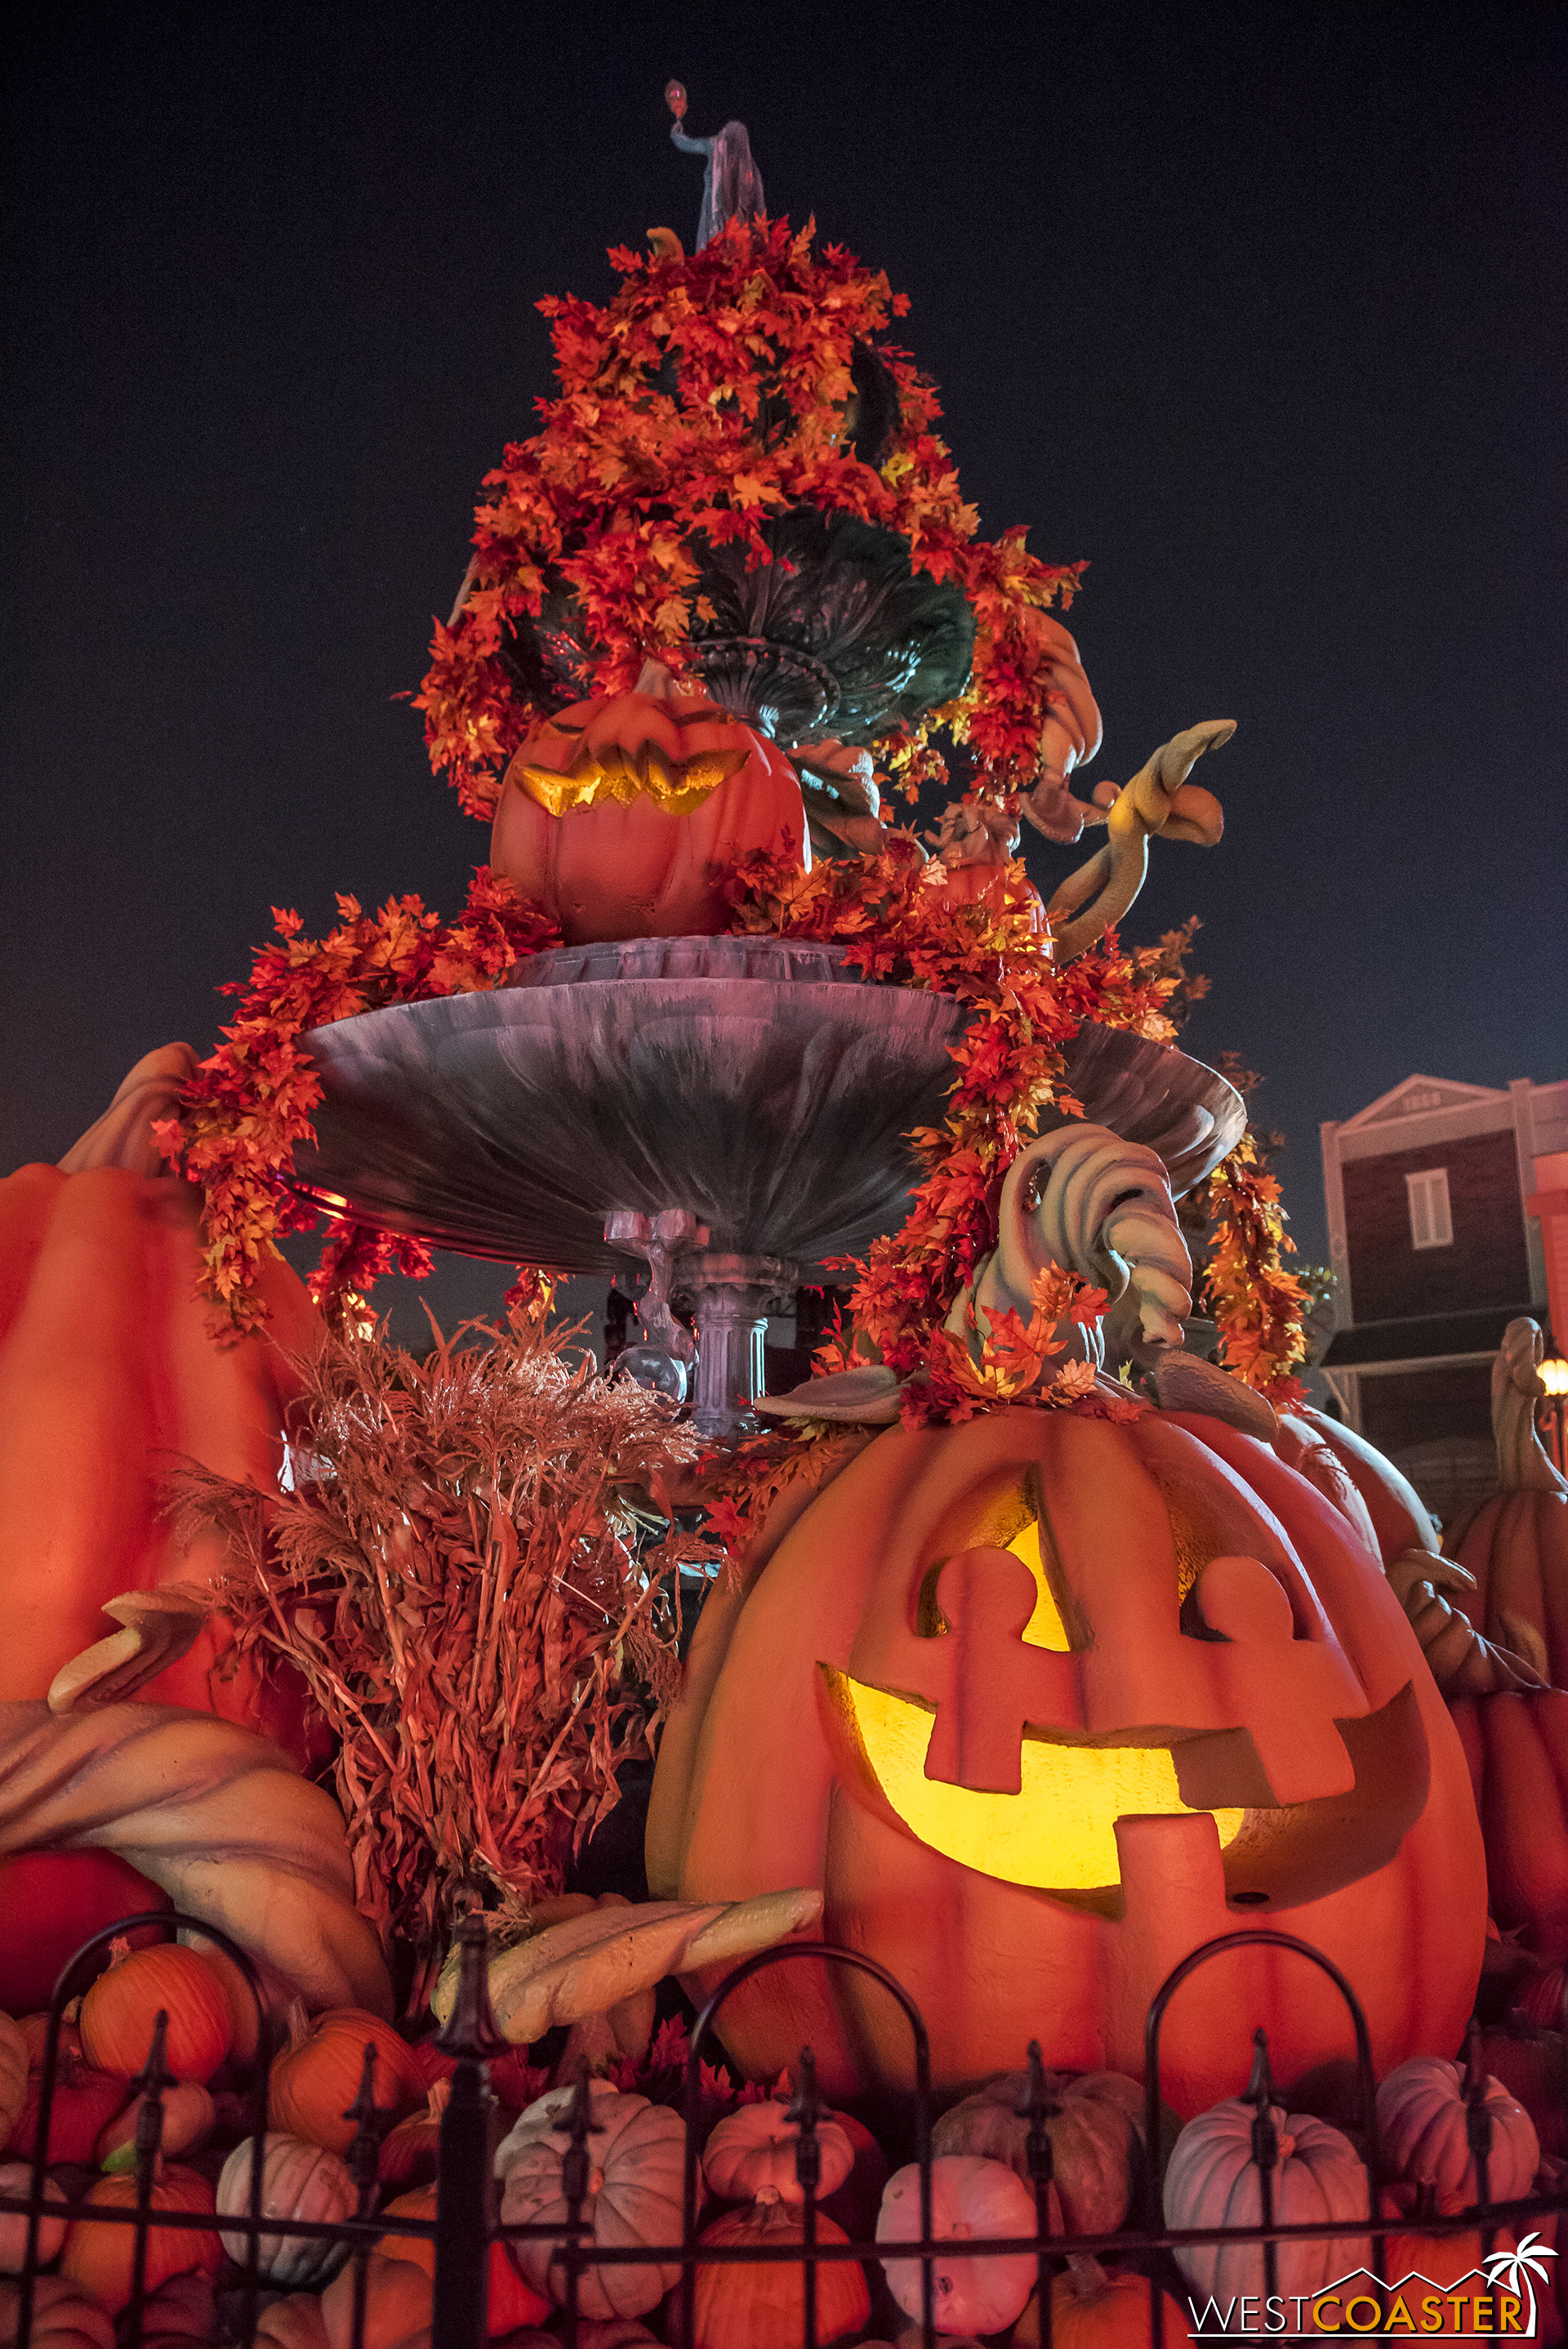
1521 2269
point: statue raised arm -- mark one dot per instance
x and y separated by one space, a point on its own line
732 184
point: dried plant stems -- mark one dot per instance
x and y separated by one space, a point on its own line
457 1578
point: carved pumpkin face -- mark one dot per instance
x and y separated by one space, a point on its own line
622 816
1042 1703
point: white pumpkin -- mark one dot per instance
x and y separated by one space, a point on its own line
970 2196
298 2181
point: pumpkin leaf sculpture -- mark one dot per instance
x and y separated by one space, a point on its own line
217 1816
590 1963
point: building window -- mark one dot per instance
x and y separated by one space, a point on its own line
1431 1224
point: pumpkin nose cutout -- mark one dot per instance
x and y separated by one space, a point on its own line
986 1597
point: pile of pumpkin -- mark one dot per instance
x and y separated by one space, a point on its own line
747 2182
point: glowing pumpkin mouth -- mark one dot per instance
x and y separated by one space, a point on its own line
1058 1833
677 787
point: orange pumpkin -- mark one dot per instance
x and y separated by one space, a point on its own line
1093 2309
512 2301
399 2298
855 1718
1517 1748
108 1373
313 2083
120 2010
65 1898
190 2117
621 817
99 2257
763 2307
82 2105
64 2316
14 2064
410 2151
753 2150
1516 1546
17 2178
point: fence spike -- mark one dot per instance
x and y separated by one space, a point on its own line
806 2111
469 2030
371 2123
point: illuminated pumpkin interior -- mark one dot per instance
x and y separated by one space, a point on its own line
1058 1833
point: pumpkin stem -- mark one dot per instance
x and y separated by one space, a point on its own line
119 1950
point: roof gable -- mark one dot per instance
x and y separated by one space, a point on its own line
1423 1097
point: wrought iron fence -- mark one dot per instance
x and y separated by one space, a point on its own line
465 2227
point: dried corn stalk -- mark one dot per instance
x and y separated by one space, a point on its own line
459 1582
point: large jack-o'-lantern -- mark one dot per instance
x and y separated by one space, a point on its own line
1044 1702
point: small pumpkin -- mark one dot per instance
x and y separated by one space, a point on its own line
83 2104
399 2299
295 2323
753 2150
1095 2128
634 2196
122 2007
244 2022
14 2064
410 2151
1421 2115
1440 2259
35 2030
314 2082
298 2181
762 2307
1533 2064
1213 2181
1092 2308
512 2301
190 2117
855 2204
99 2257
17 2178
180 2311
970 2196
63 2317
621 817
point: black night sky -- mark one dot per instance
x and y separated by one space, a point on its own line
1261 311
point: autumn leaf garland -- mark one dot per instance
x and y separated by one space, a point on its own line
250 1101
709 394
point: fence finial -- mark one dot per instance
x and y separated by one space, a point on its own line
469 2030
1260 2093
806 2112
